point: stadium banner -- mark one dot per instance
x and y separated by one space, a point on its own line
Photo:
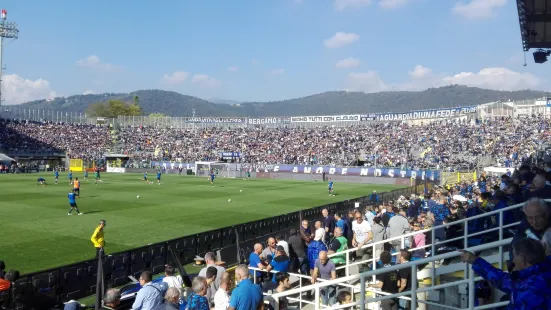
431 175
264 121
173 165
325 119
213 120
116 169
425 114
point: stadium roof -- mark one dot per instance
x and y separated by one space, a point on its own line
535 23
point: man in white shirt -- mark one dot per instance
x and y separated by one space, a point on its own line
281 241
362 235
221 298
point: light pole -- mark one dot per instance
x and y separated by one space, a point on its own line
8 30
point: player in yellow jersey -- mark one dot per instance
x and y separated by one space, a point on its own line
76 187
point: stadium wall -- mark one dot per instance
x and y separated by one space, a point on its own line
352 179
234 243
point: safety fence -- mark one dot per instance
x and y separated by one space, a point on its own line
234 244
355 282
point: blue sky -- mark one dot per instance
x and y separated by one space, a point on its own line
263 50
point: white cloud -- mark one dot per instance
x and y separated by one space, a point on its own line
478 9
88 92
176 78
93 62
205 80
392 4
277 72
422 78
233 69
348 63
343 4
19 90
341 39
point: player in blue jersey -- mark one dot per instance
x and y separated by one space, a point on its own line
159 177
56 176
330 188
145 177
212 178
86 175
70 176
41 181
73 203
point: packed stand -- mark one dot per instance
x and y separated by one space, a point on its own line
79 141
438 145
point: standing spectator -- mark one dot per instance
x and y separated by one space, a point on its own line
388 283
306 233
362 235
439 213
419 242
172 300
111 299
325 269
342 223
246 295
378 231
338 244
256 262
222 298
280 241
210 260
280 263
98 238
171 280
198 299
328 224
374 198
405 279
210 277
529 284
298 257
370 214
398 226
315 247
150 295
269 251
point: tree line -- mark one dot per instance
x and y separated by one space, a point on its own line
115 108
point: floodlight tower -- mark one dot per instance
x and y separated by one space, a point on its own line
8 30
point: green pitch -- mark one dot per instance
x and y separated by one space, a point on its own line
37 234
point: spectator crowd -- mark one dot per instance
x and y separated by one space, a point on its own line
442 144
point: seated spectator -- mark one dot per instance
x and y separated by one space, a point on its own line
269 252
198 299
280 263
529 284
150 295
171 280
111 299
172 300
344 298
283 284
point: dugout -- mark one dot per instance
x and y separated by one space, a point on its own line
116 160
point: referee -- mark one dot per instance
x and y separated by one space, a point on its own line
97 237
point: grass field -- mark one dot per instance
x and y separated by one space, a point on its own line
37 234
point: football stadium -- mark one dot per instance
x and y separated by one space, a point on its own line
395 208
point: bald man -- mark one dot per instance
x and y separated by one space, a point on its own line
269 251
256 262
325 269
246 295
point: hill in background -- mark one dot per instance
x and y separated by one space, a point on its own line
328 103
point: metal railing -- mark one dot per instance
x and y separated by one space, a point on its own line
469 277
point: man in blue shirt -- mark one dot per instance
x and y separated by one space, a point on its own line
246 295
159 177
73 203
150 295
256 262
70 176
330 188
212 178
56 176
41 181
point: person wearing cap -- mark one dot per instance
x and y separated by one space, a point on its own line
315 247
98 238
279 263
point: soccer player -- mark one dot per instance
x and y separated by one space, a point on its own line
330 188
248 175
212 178
76 187
41 181
145 177
159 177
86 175
96 175
56 176
70 176
73 202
